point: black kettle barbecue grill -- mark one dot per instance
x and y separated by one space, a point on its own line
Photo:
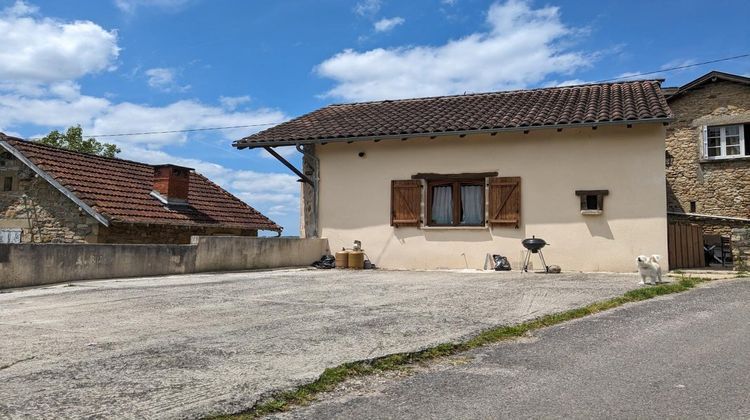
534 245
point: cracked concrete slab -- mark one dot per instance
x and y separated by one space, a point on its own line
205 344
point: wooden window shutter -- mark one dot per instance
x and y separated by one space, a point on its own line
504 203
406 202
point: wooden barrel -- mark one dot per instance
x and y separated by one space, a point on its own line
342 259
356 260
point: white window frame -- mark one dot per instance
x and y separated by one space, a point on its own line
723 144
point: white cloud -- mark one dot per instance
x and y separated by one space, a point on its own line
130 6
629 75
41 60
449 2
569 82
677 63
368 7
164 79
285 152
232 102
43 50
180 115
50 111
67 90
20 8
522 47
385 25
674 64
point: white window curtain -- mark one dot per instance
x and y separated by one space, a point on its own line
471 204
442 205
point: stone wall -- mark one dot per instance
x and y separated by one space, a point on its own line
741 249
125 233
307 195
718 187
711 226
41 211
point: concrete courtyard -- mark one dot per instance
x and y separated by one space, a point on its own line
197 345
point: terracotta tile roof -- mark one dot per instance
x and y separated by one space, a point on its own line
560 106
120 191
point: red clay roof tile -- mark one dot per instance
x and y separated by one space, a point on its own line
595 103
120 191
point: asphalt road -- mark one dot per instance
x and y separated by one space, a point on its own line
197 345
680 356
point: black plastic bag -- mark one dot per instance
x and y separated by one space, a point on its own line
501 263
325 262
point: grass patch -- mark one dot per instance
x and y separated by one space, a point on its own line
332 377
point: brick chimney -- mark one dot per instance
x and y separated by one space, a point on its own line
172 183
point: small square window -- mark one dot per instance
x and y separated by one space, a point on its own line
8 183
592 201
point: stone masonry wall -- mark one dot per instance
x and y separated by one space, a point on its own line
719 187
123 233
710 226
44 214
307 196
741 249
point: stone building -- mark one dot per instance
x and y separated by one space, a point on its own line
708 153
54 195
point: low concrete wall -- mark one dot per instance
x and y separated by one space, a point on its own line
229 253
36 264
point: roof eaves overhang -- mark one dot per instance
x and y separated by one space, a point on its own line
52 181
154 222
240 144
711 76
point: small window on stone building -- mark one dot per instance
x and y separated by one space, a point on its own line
8 183
592 201
692 207
725 141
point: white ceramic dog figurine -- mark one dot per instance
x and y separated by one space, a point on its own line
649 268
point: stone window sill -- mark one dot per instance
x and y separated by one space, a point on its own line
591 212
720 160
454 227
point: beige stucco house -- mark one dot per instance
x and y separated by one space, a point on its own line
442 182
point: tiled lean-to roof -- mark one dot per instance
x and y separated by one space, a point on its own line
120 190
624 102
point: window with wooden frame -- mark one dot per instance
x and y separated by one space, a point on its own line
453 202
456 200
726 141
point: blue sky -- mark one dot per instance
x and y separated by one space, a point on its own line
121 66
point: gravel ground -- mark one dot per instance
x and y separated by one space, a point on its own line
189 346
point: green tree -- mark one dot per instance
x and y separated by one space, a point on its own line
73 140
